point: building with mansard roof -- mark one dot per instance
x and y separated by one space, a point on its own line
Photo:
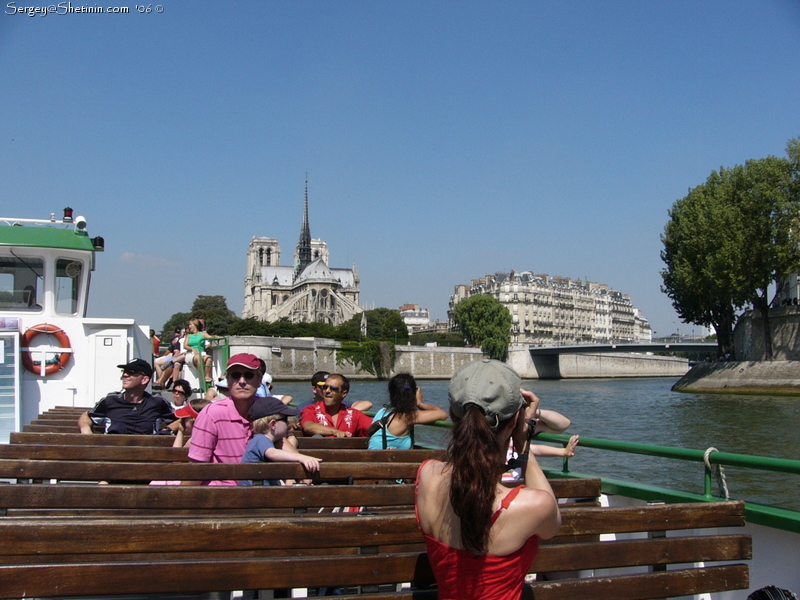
308 291
549 310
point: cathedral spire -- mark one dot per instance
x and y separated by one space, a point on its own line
304 245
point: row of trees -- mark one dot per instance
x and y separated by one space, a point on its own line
383 324
730 239
483 322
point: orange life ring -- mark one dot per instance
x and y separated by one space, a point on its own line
63 341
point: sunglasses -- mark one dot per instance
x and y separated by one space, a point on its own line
177 392
132 373
237 375
332 388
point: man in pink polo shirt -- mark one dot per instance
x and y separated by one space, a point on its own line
222 428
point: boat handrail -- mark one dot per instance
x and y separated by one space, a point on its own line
764 463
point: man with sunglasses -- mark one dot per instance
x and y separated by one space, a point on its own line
317 388
133 410
331 418
223 428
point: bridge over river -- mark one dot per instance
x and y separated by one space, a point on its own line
604 360
650 347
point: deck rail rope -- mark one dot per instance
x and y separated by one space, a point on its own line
717 471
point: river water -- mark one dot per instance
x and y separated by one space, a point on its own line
646 411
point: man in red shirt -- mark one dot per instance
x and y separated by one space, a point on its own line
329 417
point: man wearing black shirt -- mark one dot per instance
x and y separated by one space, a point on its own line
132 410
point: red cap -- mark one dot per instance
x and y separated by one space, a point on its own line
186 411
248 361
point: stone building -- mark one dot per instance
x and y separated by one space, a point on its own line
415 318
560 311
308 291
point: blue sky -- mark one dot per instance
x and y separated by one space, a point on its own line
442 141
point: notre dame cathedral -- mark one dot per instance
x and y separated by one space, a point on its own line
308 291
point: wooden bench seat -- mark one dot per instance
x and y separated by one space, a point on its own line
75 438
111 500
107 453
75 470
67 557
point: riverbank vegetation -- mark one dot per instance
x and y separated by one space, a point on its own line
485 322
731 240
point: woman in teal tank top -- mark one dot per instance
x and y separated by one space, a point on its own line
393 425
196 341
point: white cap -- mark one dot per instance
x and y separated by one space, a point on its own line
267 378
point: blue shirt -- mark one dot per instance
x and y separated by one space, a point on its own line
392 441
256 451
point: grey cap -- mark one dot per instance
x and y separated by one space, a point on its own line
491 385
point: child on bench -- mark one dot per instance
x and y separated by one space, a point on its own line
270 421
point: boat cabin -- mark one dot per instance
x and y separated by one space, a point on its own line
51 354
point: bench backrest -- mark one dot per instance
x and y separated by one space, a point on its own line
75 438
36 499
106 453
100 556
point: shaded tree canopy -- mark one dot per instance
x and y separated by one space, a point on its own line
212 309
383 324
282 328
729 239
485 322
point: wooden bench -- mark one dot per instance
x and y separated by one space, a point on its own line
107 453
77 439
69 557
110 500
92 471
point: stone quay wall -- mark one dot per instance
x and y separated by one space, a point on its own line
595 364
748 335
296 359
766 377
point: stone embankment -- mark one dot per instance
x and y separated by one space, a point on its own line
298 358
759 377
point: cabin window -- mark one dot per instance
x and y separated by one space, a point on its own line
68 285
21 283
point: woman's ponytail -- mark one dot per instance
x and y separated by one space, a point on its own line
476 459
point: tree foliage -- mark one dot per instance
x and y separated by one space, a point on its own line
215 312
282 328
176 321
728 240
446 339
212 309
373 356
702 247
485 322
383 324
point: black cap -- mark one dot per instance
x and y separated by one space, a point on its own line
138 365
270 405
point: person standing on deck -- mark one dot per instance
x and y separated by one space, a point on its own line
133 410
329 417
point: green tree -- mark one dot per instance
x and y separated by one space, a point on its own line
212 309
703 244
485 322
383 324
215 312
176 321
770 218
729 240
372 356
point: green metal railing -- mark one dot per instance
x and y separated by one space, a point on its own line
220 351
781 518
770 516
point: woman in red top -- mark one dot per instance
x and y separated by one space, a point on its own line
482 537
